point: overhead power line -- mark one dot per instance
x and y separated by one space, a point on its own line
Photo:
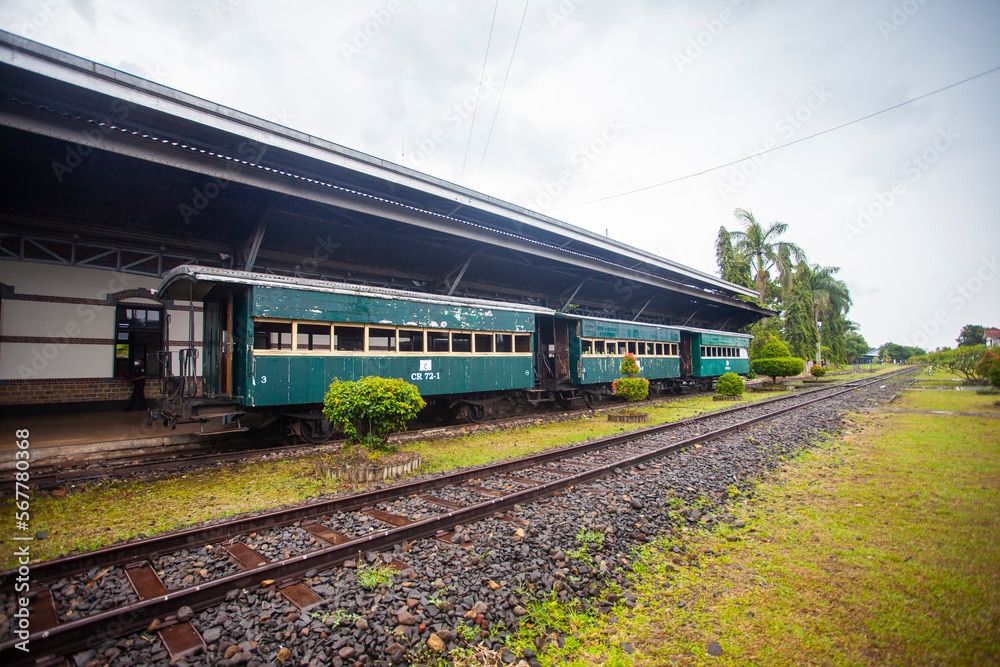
479 90
503 86
786 145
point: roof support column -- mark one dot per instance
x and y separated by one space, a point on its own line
572 296
253 246
640 310
461 274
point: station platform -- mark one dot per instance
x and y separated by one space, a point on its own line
63 438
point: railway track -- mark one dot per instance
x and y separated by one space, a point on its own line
48 476
335 532
241 447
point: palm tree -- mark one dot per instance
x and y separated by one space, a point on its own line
831 299
763 251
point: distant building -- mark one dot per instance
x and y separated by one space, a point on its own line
992 337
869 357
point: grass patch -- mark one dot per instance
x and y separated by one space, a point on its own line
878 548
97 516
955 401
481 448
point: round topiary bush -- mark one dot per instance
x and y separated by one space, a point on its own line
775 360
729 384
370 409
817 371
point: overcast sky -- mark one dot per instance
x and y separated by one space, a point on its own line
613 116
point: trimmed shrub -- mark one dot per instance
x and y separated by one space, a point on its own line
630 366
817 371
778 367
773 349
776 361
729 384
631 388
370 409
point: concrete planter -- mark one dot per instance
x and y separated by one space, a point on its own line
628 417
361 470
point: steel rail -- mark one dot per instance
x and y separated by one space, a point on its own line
84 632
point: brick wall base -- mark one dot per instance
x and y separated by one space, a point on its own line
64 393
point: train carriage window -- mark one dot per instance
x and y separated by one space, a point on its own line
312 336
586 347
484 343
437 341
744 353
598 347
461 342
630 346
272 335
381 340
348 338
411 341
522 344
504 343
622 348
659 349
650 348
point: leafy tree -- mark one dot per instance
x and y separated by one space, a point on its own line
762 331
371 408
900 353
800 325
732 267
962 360
831 299
762 251
776 361
855 346
971 334
989 368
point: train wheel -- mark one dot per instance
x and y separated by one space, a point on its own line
591 399
313 431
477 412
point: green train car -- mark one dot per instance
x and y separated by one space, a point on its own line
585 353
271 345
274 344
712 353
